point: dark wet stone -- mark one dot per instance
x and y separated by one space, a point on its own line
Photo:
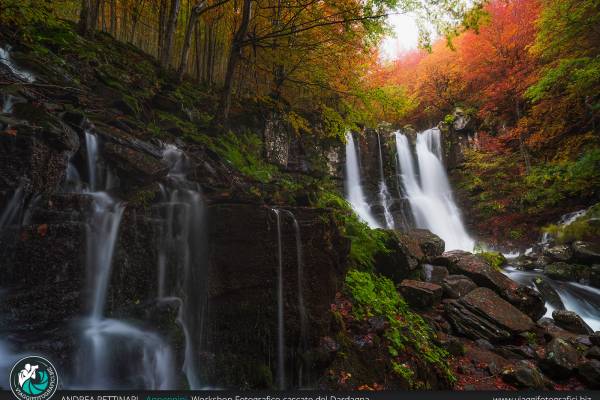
476 268
571 321
525 375
594 352
559 253
434 273
561 271
431 245
456 286
586 252
589 372
560 359
549 293
420 294
482 314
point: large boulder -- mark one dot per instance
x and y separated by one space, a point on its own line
549 293
586 252
572 322
430 244
589 372
476 268
456 286
482 314
560 359
561 271
434 273
420 294
526 375
402 259
559 253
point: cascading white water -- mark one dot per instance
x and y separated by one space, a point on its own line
430 197
354 191
280 305
7 60
384 194
182 243
109 344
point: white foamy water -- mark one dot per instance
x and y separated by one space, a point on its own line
354 190
429 194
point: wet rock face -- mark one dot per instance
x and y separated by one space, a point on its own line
243 284
36 155
482 314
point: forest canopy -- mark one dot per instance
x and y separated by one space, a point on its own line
312 56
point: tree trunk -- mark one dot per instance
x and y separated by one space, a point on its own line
88 17
162 23
234 58
170 34
113 18
187 41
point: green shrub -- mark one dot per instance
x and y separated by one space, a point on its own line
494 258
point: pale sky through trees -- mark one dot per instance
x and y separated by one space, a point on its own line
404 38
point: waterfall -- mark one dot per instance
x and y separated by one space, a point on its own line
19 73
280 305
430 197
183 244
384 194
354 191
303 346
113 353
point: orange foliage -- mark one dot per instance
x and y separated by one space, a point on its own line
487 70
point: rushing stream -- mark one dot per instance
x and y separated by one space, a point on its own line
582 299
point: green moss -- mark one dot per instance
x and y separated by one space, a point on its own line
365 242
494 258
375 295
244 152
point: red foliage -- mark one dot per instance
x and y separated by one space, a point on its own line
488 70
